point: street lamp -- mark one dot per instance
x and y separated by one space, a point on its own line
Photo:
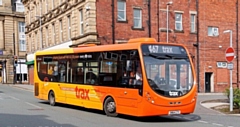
40 21
169 3
231 88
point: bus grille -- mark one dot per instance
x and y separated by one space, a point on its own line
36 89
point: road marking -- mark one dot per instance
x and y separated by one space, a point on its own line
230 126
216 124
14 98
34 105
202 121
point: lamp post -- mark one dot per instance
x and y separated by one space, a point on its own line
40 21
231 88
169 3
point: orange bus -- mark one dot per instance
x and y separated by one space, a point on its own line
139 78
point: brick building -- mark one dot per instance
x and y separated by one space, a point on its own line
54 23
12 42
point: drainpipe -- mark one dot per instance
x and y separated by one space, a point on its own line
149 18
198 61
113 23
237 44
158 33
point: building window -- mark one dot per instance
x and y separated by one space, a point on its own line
53 34
213 31
81 22
61 30
19 6
121 5
178 21
69 27
22 39
193 23
46 44
137 17
222 64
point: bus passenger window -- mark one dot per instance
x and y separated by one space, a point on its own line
91 78
80 75
50 70
55 73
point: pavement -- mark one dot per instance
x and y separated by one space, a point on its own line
208 105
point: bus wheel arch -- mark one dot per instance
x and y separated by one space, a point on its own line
109 106
51 98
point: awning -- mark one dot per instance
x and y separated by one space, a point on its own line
30 62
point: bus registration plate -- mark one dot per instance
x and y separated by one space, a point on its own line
175 112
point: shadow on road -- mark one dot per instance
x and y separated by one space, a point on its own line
174 118
12 120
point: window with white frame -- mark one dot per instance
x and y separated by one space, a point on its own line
137 17
19 6
53 34
61 30
222 64
22 38
0 2
213 31
69 27
81 22
121 6
46 43
178 21
193 23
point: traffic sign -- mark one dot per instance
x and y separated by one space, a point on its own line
230 66
229 54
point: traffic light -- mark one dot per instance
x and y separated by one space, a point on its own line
15 60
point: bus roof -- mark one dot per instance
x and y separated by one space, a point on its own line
132 44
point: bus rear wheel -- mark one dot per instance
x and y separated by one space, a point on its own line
110 107
51 98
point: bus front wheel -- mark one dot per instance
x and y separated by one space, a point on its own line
51 98
110 107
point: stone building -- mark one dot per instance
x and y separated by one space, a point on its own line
12 42
52 24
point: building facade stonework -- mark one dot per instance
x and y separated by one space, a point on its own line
199 25
12 42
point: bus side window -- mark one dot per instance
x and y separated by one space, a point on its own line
80 75
91 78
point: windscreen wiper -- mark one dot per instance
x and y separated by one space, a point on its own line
158 56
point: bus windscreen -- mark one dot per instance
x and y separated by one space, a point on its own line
168 69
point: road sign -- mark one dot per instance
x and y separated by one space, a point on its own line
229 54
230 66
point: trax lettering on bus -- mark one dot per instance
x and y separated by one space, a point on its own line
82 93
167 49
